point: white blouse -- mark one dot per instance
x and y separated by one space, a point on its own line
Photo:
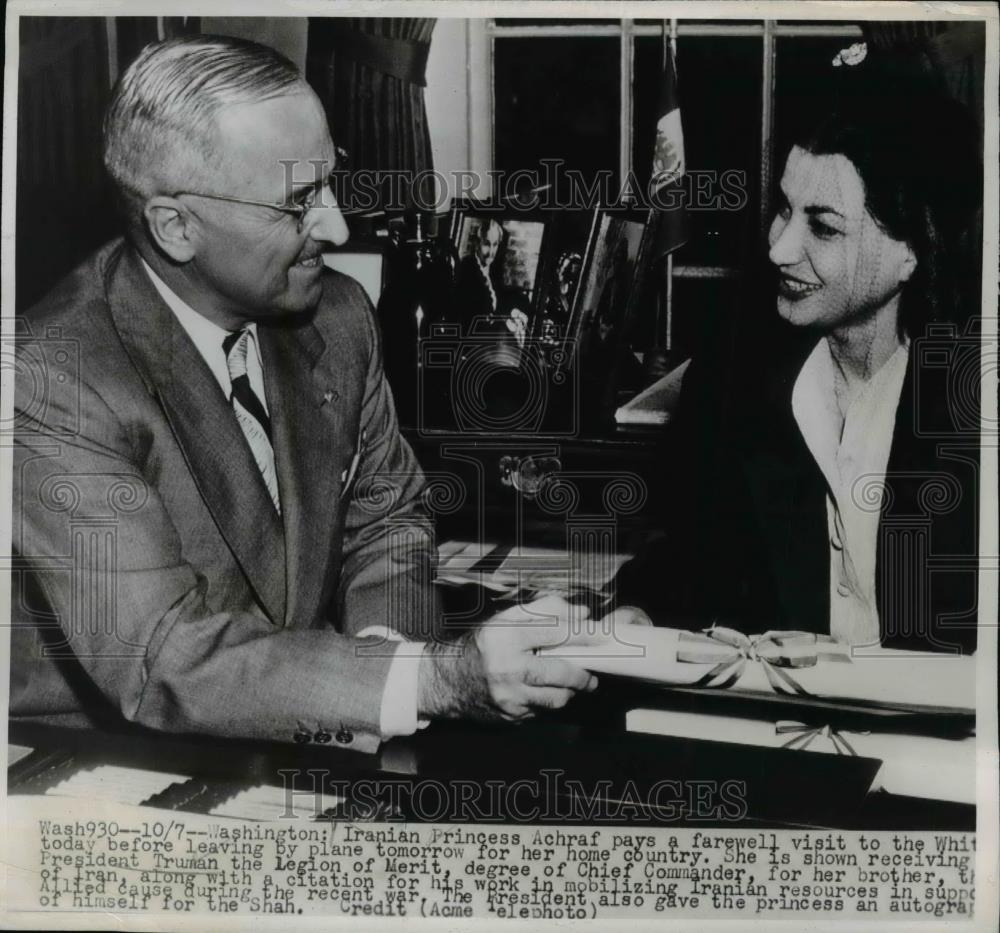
853 453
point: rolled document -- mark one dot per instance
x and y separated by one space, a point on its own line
885 676
643 652
794 663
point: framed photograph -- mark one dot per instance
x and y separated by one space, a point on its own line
566 246
500 252
607 298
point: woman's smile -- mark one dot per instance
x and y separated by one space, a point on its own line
793 289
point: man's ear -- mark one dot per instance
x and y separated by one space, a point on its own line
909 263
169 225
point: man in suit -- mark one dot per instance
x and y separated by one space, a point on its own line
217 522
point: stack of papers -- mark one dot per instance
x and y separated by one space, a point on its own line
655 404
916 765
114 784
917 679
275 803
526 572
457 558
16 753
912 765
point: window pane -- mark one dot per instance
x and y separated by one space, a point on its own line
720 22
557 98
565 21
805 80
701 308
719 86
829 23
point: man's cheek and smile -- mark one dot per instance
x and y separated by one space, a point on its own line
308 263
306 268
287 265
302 277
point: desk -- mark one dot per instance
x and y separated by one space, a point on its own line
578 766
606 479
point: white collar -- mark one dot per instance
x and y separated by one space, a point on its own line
866 429
199 328
206 335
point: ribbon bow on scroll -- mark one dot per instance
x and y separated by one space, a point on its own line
803 736
776 652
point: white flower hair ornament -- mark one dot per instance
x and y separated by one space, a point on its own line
852 55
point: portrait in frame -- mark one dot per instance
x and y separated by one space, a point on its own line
607 300
500 251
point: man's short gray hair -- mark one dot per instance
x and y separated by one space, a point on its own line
160 130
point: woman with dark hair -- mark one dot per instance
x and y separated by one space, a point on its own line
917 160
827 464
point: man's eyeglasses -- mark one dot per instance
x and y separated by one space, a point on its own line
303 201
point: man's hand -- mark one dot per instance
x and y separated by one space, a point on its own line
627 615
494 673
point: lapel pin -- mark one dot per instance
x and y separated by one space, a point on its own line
329 396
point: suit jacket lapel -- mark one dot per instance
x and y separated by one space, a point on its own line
307 425
203 423
789 494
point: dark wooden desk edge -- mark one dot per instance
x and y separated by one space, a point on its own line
643 436
253 763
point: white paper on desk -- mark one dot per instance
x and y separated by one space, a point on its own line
16 753
918 766
535 558
883 676
555 570
655 403
460 556
534 569
115 784
266 803
464 579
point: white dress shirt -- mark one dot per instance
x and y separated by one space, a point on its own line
853 453
398 711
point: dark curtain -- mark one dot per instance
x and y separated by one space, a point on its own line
63 204
134 34
369 73
174 26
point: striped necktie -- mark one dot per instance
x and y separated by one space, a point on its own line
249 411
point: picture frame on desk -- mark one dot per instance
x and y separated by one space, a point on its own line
514 262
606 302
562 265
